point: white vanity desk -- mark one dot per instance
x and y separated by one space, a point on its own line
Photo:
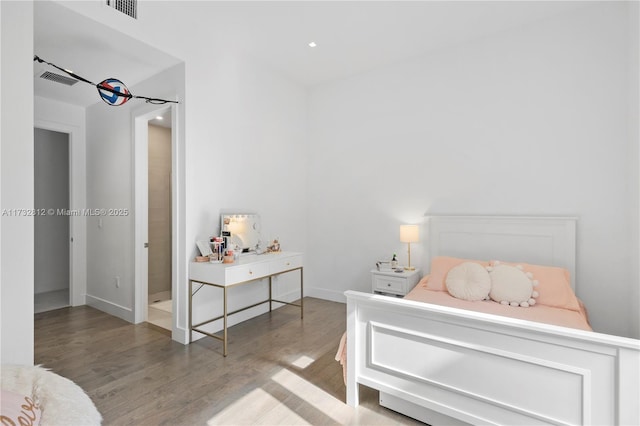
247 269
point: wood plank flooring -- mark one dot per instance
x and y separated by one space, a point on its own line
280 370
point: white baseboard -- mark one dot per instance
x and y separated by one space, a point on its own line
110 308
322 293
180 335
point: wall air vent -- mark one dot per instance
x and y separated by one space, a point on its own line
128 7
47 75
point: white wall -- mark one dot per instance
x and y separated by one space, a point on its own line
110 251
110 185
16 180
532 121
634 159
246 151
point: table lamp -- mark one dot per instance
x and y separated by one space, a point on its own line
409 234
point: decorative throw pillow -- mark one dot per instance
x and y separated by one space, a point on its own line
19 409
440 267
469 281
555 285
511 286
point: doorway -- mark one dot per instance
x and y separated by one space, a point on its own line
152 203
52 245
159 221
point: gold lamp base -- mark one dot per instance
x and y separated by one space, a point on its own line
409 267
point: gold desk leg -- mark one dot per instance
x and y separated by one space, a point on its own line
301 295
270 307
224 342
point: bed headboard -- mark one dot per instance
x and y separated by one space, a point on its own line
538 240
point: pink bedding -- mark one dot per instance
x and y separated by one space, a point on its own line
539 313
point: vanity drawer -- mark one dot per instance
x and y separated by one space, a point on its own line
240 273
285 264
387 284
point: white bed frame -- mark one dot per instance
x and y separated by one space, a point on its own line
443 365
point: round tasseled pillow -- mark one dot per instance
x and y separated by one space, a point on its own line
468 281
511 286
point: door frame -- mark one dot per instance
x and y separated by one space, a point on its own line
77 202
141 117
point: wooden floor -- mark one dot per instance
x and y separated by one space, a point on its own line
280 370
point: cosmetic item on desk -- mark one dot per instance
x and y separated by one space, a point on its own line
218 249
228 257
204 247
394 261
260 249
236 253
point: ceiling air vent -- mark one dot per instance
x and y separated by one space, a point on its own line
58 78
128 7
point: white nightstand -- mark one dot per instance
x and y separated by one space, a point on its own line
394 283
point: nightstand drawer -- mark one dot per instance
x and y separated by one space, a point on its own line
387 284
394 283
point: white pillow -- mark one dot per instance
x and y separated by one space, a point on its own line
511 286
468 281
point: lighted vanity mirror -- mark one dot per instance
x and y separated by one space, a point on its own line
241 230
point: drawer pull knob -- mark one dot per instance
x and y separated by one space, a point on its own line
388 284
250 272
288 264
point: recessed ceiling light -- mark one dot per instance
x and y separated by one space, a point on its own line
159 117
312 44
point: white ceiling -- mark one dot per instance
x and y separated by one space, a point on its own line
357 36
352 37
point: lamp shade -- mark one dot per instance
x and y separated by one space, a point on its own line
409 233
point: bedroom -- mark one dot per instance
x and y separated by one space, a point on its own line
546 123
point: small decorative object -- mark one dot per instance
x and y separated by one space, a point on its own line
394 262
274 246
202 258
